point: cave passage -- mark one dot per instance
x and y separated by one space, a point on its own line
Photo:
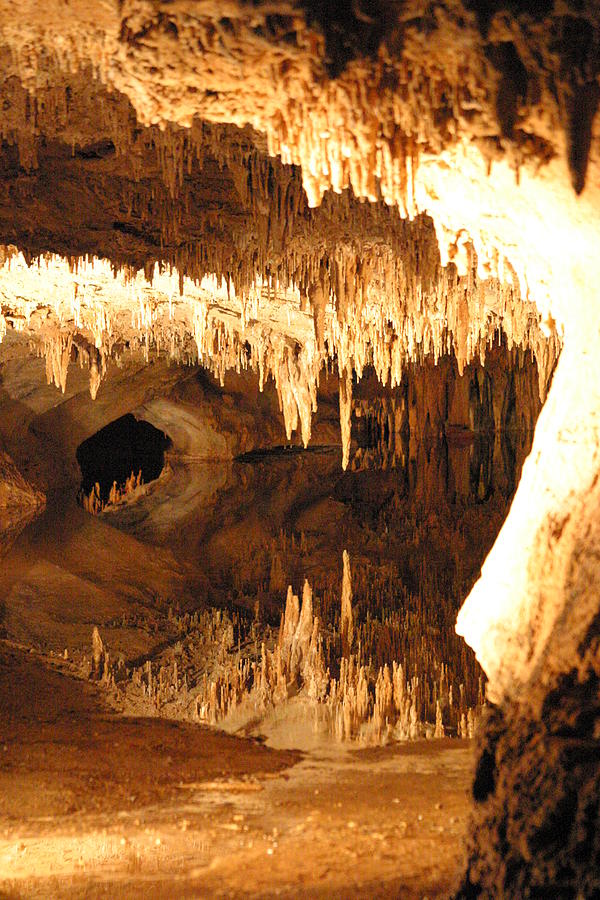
123 447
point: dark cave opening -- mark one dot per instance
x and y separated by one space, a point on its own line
123 448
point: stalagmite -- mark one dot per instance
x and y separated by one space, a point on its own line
439 726
290 620
303 633
372 700
93 502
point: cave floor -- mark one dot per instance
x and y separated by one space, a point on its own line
93 804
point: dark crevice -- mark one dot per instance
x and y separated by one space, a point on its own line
97 150
353 29
113 453
485 777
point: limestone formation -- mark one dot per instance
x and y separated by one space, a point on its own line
298 187
98 655
220 674
93 502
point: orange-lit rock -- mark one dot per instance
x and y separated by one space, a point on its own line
183 182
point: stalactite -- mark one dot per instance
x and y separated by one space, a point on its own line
346 619
97 372
346 414
57 351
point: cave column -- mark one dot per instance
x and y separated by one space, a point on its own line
526 585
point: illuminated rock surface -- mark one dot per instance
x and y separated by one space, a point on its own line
304 197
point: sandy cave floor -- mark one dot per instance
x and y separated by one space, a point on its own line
97 805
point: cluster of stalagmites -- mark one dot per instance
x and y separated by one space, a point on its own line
212 677
93 502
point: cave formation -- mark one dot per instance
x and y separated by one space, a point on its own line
372 227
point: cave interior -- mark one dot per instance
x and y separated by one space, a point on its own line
300 448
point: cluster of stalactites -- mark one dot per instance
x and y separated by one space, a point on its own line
373 283
223 343
353 132
361 702
93 502
432 79
380 305
46 98
370 153
59 347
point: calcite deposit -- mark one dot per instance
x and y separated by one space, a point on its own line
300 189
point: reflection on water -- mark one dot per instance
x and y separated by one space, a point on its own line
389 489
255 525
12 524
459 465
416 531
432 472
459 461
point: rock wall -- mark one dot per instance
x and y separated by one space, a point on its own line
535 822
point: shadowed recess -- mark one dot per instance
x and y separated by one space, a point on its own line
113 453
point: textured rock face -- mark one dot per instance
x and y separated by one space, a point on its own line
535 822
139 132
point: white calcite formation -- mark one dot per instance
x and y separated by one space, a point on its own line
88 314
